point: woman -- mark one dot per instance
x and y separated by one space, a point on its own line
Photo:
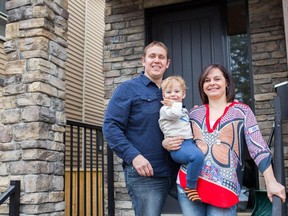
222 128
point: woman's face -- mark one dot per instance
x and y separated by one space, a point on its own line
215 85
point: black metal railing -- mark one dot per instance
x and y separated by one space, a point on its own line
263 206
13 192
110 182
84 175
277 207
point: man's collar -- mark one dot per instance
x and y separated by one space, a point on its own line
146 81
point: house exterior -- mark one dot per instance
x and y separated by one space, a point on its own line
73 71
194 37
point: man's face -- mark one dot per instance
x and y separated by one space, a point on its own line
155 63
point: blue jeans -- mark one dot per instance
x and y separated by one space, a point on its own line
148 194
190 208
190 154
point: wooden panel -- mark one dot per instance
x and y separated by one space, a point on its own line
85 48
96 193
75 65
94 82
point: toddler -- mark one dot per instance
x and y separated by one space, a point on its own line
174 121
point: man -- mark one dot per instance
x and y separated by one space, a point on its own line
132 131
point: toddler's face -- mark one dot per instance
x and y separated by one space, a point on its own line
174 92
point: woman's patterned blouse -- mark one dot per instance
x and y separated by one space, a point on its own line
223 143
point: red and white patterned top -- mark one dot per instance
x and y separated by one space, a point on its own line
223 146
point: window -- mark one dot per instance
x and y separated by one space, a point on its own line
238 49
3 19
239 63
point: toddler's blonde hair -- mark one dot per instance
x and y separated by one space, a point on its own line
169 81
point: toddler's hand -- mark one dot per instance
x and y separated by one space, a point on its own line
167 102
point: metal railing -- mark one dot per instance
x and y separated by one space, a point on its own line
110 182
13 192
278 208
84 162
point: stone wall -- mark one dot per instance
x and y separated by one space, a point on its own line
33 118
269 62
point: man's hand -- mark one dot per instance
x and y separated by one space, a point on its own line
143 166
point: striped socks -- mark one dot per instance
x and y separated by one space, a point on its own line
192 195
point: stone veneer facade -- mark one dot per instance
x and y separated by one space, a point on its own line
125 39
33 118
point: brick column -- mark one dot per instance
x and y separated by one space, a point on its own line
33 118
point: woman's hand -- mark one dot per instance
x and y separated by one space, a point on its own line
273 187
172 143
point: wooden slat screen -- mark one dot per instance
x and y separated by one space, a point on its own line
97 198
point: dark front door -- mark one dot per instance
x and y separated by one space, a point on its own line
194 37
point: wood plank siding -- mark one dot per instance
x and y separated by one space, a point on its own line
84 77
75 60
94 83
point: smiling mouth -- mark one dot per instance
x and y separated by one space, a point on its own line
157 67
